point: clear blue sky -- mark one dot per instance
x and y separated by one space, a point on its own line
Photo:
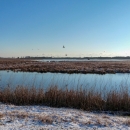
84 27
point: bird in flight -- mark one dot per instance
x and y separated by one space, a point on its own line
63 46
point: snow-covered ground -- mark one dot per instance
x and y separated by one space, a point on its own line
47 118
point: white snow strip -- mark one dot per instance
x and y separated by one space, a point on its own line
46 118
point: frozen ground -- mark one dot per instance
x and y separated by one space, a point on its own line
46 118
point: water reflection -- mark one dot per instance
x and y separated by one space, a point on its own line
46 80
57 60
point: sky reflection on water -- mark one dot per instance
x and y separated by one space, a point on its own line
46 80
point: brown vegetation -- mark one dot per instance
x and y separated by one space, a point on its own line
81 99
99 67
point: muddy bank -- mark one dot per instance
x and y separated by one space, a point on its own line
98 67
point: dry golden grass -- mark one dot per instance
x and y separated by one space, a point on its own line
105 117
1 115
45 119
89 122
100 67
25 115
127 122
18 114
98 122
88 99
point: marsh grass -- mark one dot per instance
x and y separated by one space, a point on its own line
45 119
85 99
1 115
127 122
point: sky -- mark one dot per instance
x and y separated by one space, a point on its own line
84 27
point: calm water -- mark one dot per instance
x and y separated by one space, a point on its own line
49 60
62 80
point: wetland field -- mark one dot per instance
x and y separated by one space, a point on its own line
90 85
98 67
64 94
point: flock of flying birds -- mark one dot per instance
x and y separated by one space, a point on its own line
66 54
63 47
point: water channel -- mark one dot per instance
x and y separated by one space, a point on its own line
71 81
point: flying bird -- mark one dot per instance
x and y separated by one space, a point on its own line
63 46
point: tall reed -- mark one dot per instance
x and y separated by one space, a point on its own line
86 99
